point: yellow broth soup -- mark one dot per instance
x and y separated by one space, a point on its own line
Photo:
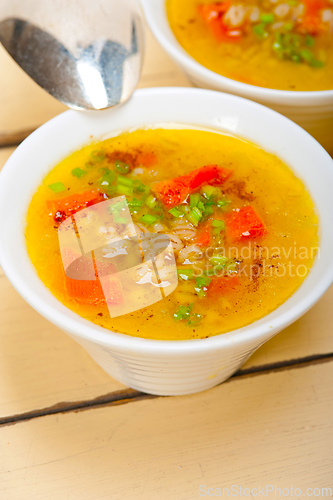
242 226
278 44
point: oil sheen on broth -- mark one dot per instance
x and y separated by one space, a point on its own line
244 228
277 44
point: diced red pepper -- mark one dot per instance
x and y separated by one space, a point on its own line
222 285
174 191
244 224
204 237
90 291
224 34
64 207
311 23
212 14
212 11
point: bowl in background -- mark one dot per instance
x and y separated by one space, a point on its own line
155 366
311 110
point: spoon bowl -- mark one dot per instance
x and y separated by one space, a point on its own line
86 54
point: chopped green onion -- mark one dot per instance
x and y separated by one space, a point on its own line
192 219
267 18
218 260
260 31
98 155
208 210
140 187
194 319
186 274
125 190
208 191
218 223
57 187
107 179
134 203
151 201
288 26
194 216
222 203
183 312
295 58
292 3
306 54
117 207
121 167
201 206
316 63
194 199
158 212
200 292
197 212
118 212
217 231
203 281
185 209
125 181
175 212
309 41
120 220
78 172
148 219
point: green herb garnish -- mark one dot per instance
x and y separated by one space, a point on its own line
57 187
185 313
194 216
125 190
218 223
175 212
194 199
98 155
78 172
202 282
186 274
148 219
309 41
121 167
267 18
151 201
260 30
218 260
125 181
223 203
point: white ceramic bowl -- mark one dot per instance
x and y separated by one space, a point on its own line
164 367
311 110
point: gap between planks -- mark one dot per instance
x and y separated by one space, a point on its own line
14 138
125 396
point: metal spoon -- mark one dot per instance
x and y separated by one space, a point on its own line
86 53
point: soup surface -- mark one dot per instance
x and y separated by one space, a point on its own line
242 226
278 44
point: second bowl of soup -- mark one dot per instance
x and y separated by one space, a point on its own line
277 53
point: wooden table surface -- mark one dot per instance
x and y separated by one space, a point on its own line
69 431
